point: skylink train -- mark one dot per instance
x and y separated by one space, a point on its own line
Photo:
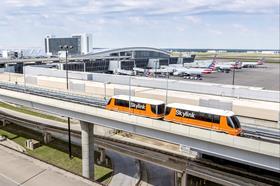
202 117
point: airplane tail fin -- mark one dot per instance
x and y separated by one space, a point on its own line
212 66
215 58
238 62
261 61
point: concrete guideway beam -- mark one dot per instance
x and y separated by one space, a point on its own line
87 149
248 151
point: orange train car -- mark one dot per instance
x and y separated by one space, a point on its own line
203 117
138 106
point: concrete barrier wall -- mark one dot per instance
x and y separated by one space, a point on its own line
186 86
76 86
204 88
31 80
118 91
38 71
212 103
264 113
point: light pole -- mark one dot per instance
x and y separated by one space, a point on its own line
166 93
129 94
24 78
105 88
167 78
66 48
84 66
233 76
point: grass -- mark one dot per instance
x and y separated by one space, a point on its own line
269 58
30 112
55 152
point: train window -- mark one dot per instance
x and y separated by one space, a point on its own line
235 122
216 119
167 110
122 103
161 109
125 103
154 109
208 117
230 123
204 117
117 102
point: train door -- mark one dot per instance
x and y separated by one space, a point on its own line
216 119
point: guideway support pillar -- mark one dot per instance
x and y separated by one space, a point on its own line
102 158
181 179
3 121
87 142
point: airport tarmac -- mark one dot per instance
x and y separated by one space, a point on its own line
266 76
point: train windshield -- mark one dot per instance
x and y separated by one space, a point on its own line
158 109
108 103
167 110
233 122
161 108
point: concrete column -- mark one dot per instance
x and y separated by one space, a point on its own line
3 122
47 137
181 179
102 156
87 149
184 179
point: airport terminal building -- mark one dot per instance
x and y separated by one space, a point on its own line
127 59
81 44
117 61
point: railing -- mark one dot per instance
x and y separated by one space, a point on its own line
61 95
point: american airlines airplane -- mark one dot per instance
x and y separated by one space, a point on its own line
192 73
227 67
221 67
253 64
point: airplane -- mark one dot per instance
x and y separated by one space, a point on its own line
221 67
253 64
198 64
192 73
148 72
227 67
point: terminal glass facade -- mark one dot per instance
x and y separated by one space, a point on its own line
55 43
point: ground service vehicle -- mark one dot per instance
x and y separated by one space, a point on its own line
203 117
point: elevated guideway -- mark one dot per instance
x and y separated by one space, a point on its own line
144 151
248 151
254 109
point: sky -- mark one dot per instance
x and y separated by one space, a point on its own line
247 24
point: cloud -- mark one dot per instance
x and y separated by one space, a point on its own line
120 17
216 32
193 19
22 3
240 28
